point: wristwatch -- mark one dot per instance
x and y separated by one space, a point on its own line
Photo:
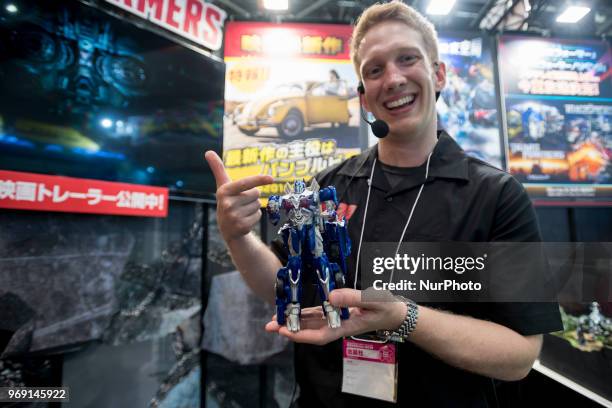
408 325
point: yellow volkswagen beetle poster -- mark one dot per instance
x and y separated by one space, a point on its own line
291 103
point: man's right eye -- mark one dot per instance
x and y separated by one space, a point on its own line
407 59
372 72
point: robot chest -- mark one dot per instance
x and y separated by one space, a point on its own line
300 216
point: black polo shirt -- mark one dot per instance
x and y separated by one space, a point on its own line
464 199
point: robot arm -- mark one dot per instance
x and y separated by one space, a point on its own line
273 208
328 194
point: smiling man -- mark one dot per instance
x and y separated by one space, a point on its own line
416 184
401 77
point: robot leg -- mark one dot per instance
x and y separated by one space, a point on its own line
293 311
339 283
281 289
322 268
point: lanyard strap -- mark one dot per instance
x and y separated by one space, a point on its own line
365 213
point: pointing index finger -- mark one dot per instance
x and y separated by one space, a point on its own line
248 183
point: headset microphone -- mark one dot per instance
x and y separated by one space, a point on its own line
379 127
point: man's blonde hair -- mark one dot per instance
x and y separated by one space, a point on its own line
393 11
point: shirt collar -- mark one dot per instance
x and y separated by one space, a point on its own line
447 161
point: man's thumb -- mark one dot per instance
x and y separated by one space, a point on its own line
369 298
218 170
345 297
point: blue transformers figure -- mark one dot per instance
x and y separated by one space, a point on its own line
318 244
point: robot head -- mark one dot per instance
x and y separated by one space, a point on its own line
299 186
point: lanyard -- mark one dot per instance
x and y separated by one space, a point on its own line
365 213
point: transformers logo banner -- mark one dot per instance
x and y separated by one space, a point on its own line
196 20
317 241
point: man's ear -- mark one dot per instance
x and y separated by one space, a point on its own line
361 93
440 75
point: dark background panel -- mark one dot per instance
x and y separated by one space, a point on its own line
87 95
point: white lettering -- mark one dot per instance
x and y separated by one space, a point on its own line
196 20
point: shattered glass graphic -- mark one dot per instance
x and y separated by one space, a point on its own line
68 280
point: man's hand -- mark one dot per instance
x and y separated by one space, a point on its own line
238 207
479 346
364 317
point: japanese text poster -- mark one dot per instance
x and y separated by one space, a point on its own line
291 101
467 107
558 96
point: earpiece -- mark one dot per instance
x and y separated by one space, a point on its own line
379 127
437 68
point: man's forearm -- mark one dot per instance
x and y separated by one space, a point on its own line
475 345
257 264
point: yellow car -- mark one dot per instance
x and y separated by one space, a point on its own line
292 107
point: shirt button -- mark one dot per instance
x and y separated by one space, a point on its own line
389 199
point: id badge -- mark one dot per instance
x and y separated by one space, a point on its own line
369 369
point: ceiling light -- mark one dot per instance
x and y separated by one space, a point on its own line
440 7
11 8
573 14
276 4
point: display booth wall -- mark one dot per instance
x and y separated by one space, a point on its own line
139 311
95 108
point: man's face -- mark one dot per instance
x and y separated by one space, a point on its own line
399 78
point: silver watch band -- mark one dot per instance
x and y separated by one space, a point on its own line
408 325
